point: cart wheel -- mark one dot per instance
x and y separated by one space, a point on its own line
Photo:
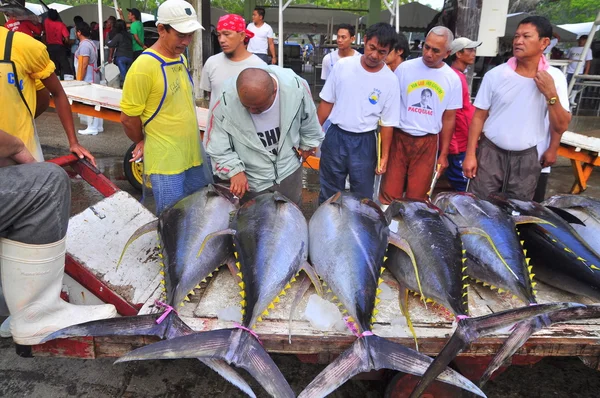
134 171
403 384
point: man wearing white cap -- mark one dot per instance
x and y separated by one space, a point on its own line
462 55
158 110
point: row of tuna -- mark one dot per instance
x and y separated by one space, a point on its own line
431 249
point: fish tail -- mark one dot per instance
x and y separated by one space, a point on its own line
139 325
373 353
470 329
234 346
527 327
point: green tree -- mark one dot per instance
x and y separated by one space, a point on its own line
569 11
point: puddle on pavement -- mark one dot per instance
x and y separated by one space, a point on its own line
83 195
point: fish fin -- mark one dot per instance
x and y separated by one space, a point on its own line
403 245
403 302
374 353
279 197
313 276
139 325
470 329
208 237
235 346
233 269
526 328
522 219
229 374
336 199
143 230
304 285
565 215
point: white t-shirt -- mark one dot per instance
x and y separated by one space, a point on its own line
267 125
574 54
517 108
330 59
425 93
219 68
259 44
361 99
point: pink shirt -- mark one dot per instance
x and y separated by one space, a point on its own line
458 144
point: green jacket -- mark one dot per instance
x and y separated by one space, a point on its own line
233 143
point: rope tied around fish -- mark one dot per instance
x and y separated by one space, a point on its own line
352 327
165 314
252 332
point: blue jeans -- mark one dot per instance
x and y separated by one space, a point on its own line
123 63
169 189
345 153
454 172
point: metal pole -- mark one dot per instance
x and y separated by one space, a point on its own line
397 4
101 28
586 48
282 8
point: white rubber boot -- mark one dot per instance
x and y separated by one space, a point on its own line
5 329
32 279
91 129
99 123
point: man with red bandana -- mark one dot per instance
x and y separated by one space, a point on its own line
231 33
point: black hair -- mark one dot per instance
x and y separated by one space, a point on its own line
77 19
384 32
348 27
260 11
168 27
402 44
120 26
112 18
583 37
53 14
84 29
542 25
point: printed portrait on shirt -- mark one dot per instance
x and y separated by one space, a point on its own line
424 95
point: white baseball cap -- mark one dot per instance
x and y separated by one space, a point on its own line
460 44
179 14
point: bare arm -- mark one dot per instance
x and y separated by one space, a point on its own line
272 50
42 101
448 123
133 128
559 116
324 111
386 133
12 147
137 39
63 108
475 130
588 64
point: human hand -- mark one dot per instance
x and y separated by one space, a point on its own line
545 83
273 60
306 153
381 168
138 152
82 153
239 184
549 157
442 164
470 166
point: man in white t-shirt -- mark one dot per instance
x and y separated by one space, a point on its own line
231 33
574 55
430 94
345 38
262 42
350 146
512 103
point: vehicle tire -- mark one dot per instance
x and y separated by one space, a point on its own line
134 170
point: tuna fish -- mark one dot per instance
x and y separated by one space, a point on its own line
432 263
195 241
271 246
494 254
585 212
348 241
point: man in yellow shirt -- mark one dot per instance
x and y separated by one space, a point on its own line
24 60
158 110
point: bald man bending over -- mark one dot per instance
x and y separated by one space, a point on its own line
256 143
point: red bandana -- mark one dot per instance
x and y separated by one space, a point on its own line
235 23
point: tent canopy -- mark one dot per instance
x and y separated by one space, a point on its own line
579 29
307 18
512 21
89 12
414 17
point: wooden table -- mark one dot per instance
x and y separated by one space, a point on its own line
583 151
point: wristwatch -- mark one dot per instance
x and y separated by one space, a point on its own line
552 101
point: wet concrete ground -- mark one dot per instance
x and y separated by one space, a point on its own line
59 377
